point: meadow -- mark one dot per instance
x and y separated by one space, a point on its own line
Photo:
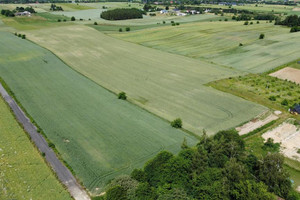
24 173
167 85
97 134
219 42
263 89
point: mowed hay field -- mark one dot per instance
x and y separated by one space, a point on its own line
24 174
219 42
168 85
98 135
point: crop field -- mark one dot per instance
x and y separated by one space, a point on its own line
168 85
98 135
20 162
219 42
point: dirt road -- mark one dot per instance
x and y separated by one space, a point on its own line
62 172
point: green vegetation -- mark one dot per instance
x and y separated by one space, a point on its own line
263 89
95 133
121 14
122 95
176 123
155 80
219 167
24 173
261 36
218 42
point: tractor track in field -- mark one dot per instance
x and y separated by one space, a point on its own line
62 172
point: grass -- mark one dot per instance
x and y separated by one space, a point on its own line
219 42
167 85
262 89
98 135
20 162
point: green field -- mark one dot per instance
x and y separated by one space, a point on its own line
219 42
168 85
24 173
98 135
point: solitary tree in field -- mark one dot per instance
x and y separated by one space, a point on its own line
127 29
73 18
122 95
95 23
261 36
177 123
23 36
120 30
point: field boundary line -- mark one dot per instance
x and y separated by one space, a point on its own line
62 172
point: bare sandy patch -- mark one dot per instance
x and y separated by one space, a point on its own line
288 135
255 123
288 73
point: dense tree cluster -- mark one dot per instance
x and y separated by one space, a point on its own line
7 13
22 9
54 7
121 14
217 168
291 21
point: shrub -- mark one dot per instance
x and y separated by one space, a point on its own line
64 20
241 44
23 36
173 24
164 22
120 30
73 18
298 151
16 34
246 23
257 22
271 146
272 98
127 29
116 192
122 95
177 123
43 154
95 23
251 23
261 36
19 35
51 145
284 102
177 24
295 29
226 20
59 20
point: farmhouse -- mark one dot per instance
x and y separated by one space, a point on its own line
25 13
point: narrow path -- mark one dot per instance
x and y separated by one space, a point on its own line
62 172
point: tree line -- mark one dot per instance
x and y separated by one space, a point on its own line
292 21
218 167
122 13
